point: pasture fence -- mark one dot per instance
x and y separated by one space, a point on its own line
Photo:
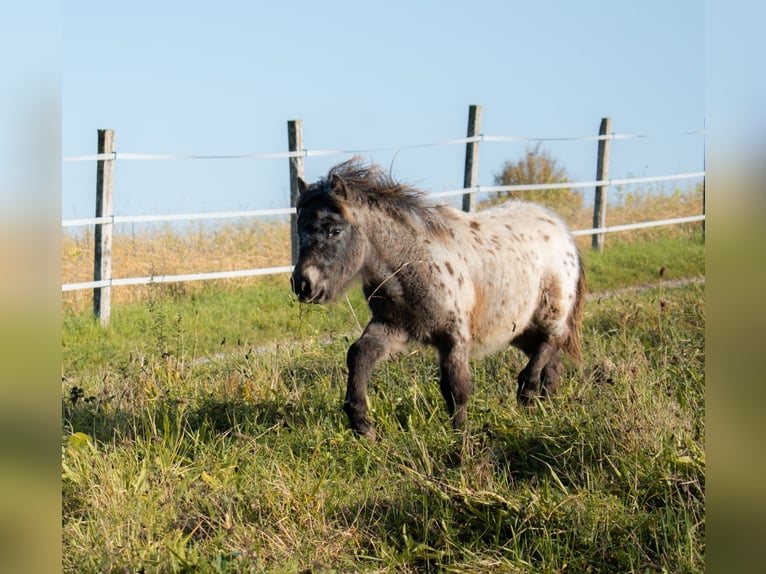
105 219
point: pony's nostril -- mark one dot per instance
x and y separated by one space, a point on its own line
300 284
301 287
305 283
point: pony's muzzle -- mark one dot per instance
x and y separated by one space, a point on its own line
306 284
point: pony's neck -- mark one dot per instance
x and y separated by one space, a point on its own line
391 245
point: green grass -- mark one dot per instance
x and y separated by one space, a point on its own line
638 262
182 452
219 318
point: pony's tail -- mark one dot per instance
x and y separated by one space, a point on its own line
574 320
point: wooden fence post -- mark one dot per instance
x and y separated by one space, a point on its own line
602 173
295 144
471 158
102 263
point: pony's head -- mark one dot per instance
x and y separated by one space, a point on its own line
331 248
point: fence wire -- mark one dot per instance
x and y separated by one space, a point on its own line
121 156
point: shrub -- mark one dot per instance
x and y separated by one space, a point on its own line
537 167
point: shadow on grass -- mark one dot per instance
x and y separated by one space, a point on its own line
105 424
298 402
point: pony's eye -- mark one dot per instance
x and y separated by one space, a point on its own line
334 232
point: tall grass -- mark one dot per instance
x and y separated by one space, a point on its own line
203 432
167 250
245 463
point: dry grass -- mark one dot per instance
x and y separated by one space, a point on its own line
196 248
633 206
251 244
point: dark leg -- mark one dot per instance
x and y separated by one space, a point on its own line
551 375
530 376
455 382
376 343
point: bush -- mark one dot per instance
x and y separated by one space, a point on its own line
536 167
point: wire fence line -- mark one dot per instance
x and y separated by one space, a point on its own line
440 194
108 156
306 153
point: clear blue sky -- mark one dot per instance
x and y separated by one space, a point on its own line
224 78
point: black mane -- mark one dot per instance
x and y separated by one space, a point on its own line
355 182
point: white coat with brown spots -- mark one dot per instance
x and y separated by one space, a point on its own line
467 284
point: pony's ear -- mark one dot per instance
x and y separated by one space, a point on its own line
339 187
302 185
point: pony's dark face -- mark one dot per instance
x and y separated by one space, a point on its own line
331 247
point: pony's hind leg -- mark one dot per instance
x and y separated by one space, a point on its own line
551 374
537 371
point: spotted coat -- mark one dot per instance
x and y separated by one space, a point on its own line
467 284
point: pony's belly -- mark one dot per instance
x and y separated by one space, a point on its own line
481 349
496 320
491 343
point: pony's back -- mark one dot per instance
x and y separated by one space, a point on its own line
526 270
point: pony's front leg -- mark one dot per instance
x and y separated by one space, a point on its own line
378 342
455 382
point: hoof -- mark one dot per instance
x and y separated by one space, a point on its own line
365 431
369 435
527 397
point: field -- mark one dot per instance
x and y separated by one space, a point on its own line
202 431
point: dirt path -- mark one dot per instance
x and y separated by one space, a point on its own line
639 288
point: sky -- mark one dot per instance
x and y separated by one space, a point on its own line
204 78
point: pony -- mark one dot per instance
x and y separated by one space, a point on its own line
468 284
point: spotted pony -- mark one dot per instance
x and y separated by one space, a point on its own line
468 284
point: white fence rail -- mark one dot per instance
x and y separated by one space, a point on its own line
471 188
289 268
450 193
